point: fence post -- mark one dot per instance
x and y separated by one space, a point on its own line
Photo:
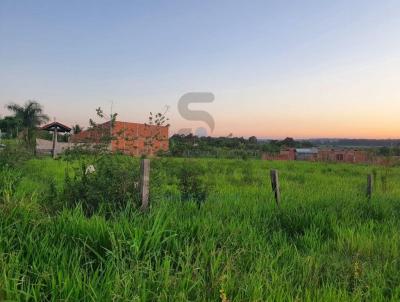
275 186
370 184
144 183
53 152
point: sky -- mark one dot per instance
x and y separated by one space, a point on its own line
302 69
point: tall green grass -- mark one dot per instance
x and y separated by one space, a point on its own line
326 243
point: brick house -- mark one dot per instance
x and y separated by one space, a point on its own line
345 155
129 138
287 154
310 154
314 154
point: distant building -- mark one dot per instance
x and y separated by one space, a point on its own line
306 154
344 155
315 154
128 138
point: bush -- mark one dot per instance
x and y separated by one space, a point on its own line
192 182
13 155
111 184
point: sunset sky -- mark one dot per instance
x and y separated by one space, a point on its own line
277 68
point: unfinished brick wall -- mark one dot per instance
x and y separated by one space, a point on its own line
92 135
129 138
346 155
332 155
289 154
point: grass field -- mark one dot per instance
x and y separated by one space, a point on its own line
326 243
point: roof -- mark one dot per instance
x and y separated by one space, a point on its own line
307 150
60 127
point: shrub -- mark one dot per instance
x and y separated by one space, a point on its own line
13 155
112 184
192 182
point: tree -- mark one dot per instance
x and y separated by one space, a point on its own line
159 120
288 142
99 141
10 126
253 140
30 116
77 129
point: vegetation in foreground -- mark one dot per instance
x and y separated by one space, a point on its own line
212 234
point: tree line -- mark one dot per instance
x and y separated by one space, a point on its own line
192 145
25 121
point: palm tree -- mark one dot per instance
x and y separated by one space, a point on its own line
31 116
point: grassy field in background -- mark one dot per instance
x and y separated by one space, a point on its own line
326 243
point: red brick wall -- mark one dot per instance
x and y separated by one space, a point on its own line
137 139
289 154
92 135
129 138
347 156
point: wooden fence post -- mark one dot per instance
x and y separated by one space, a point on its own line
275 186
144 183
370 184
